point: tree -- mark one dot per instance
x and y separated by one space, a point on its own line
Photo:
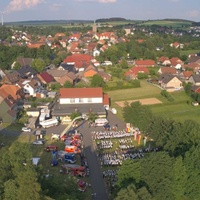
97 81
16 66
92 116
159 129
179 179
28 187
138 115
128 193
10 190
68 84
130 172
75 114
187 88
144 194
38 64
192 163
55 86
157 175
124 64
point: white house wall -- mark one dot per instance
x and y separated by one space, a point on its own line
80 100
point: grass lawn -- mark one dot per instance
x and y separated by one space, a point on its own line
12 127
179 109
145 91
187 52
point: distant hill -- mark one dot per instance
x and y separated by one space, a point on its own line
113 19
49 22
196 23
118 20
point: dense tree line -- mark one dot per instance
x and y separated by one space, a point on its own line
20 179
173 172
9 54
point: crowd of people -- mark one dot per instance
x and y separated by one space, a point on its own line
111 178
99 135
105 144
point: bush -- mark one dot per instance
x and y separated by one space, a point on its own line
167 95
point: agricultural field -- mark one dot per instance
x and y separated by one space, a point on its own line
180 109
168 23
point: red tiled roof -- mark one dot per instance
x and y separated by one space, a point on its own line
77 58
35 45
106 99
46 77
140 40
145 62
59 35
174 61
187 74
6 90
192 65
75 35
163 58
81 92
136 70
168 70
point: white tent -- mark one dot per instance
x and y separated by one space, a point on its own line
35 161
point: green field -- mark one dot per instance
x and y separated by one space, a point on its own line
180 109
146 91
168 23
187 52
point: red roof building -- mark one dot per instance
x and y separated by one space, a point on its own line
145 63
133 72
81 93
45 78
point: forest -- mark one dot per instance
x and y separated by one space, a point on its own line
172 172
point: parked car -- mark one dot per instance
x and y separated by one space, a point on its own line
25 129
50 148
38 142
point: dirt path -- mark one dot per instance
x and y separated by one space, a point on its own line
148 101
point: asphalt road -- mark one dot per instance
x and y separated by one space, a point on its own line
96 176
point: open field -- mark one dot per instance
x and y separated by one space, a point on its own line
146 91
169 23
180 109
187 52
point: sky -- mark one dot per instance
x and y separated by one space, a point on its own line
25 10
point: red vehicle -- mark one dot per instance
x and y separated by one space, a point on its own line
51 148
82 185
72 149
72 137
75 170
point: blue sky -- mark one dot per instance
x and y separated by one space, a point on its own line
22 10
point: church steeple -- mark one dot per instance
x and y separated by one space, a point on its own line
94 28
